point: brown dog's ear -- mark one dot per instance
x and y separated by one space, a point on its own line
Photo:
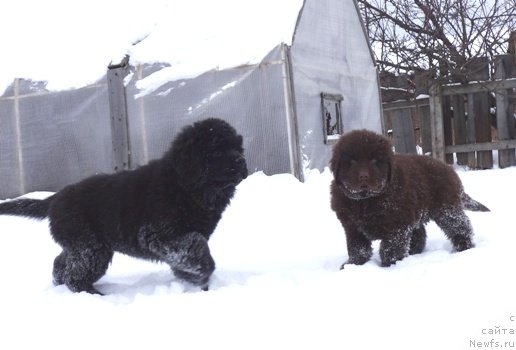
389 171
335 162
391 159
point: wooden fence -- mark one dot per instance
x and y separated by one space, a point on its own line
468 120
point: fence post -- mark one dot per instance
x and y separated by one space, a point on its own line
118 112
436 118
504 119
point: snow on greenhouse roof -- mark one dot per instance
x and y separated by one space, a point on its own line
69 44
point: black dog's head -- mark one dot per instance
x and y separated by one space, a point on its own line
209 156
361 164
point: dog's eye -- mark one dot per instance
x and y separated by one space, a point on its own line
347 159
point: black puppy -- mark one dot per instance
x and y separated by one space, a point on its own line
163 211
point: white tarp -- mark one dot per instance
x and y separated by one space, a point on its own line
225 59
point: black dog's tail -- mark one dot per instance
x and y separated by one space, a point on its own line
471 204
32 208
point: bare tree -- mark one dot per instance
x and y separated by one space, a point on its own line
440 35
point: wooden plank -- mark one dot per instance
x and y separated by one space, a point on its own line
389 106
426 128
436 119
403 131
459 126
448 126
506 157
483 128
471 133
118 113
478 69
482 146
18 136
478 87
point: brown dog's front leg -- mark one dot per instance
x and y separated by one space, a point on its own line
359 247
394 248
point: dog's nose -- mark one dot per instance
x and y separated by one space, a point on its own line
363 176
240 161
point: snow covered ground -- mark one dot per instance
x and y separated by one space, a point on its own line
277 284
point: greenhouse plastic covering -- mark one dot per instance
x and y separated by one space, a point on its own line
51 139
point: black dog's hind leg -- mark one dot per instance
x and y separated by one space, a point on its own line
457 227
58 272
418 240
79 269
188 256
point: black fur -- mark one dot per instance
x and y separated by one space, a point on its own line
33 208
164 211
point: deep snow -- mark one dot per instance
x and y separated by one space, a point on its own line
277 285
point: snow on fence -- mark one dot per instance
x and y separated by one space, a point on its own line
458 119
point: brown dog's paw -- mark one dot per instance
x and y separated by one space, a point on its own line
462 243
361 261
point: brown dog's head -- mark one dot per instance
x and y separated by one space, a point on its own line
361 164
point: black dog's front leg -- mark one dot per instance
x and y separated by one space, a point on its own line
188 256
359 247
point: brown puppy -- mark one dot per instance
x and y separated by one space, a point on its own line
380 195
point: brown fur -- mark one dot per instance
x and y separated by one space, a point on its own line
378 195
